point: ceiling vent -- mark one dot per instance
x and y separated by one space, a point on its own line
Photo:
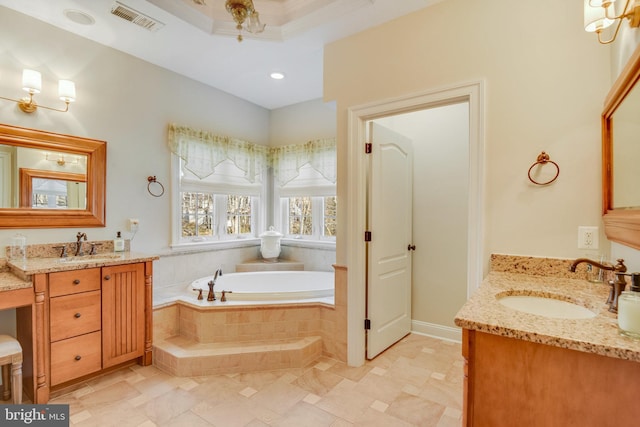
140 19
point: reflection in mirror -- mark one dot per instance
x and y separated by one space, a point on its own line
43 164
626 152
621 157
50 180
52 190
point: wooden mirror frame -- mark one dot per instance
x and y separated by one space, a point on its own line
96 152
620 225
28 175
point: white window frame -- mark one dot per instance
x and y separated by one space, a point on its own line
317 218
220 192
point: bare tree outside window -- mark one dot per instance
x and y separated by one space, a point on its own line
197 214
300 218
330 216
238 214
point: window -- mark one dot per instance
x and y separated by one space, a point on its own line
307 217
238 214
199 214
222 188
220 207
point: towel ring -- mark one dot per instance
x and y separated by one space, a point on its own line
153 180
543 158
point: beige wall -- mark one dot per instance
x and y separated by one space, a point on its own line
544 88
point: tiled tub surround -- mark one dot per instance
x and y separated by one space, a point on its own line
550 278
204 338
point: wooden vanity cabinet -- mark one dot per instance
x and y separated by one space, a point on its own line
123 313
510 382
97 318
74 324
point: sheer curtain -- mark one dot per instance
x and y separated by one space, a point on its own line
202 151
320 154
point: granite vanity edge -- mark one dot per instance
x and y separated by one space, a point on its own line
51 265
599 335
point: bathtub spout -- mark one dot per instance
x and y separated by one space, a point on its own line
211 296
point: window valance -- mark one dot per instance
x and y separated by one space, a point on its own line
202 151
320 154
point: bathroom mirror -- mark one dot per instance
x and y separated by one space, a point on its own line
621 157
50 180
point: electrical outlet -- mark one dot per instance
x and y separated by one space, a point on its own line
587 237
134 223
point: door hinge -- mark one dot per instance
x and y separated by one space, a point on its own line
367 324
367 236
367 147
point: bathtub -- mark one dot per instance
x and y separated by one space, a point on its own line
268 286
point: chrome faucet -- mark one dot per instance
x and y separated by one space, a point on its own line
79 238
617 285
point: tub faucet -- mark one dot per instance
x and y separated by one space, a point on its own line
617 285
211 296
79 238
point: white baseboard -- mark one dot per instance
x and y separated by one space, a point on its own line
437 331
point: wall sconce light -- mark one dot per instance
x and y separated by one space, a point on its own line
60 159
600 14
32 84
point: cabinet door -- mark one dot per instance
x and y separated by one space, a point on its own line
122 313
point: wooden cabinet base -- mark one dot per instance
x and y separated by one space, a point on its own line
514 382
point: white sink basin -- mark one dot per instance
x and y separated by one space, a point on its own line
546 307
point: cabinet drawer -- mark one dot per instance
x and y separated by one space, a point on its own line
75 314
75 357
71 282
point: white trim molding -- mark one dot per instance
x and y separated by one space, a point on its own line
447 333
357 116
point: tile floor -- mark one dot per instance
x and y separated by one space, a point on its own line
417 382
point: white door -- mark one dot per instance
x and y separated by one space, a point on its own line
388 253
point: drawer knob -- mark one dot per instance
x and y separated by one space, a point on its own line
78 357
77 315
76 282
107 277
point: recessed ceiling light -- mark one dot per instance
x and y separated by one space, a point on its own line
79 17
277 75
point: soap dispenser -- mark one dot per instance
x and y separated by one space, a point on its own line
118 243
629 309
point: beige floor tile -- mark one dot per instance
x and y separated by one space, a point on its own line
317 381
344 401
416 382
373 418
304 414
415 410
186 419
169 405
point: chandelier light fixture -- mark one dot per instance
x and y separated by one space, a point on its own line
245 16
32 84
600 14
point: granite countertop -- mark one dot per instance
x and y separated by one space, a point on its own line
49 265
11 282
598 335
